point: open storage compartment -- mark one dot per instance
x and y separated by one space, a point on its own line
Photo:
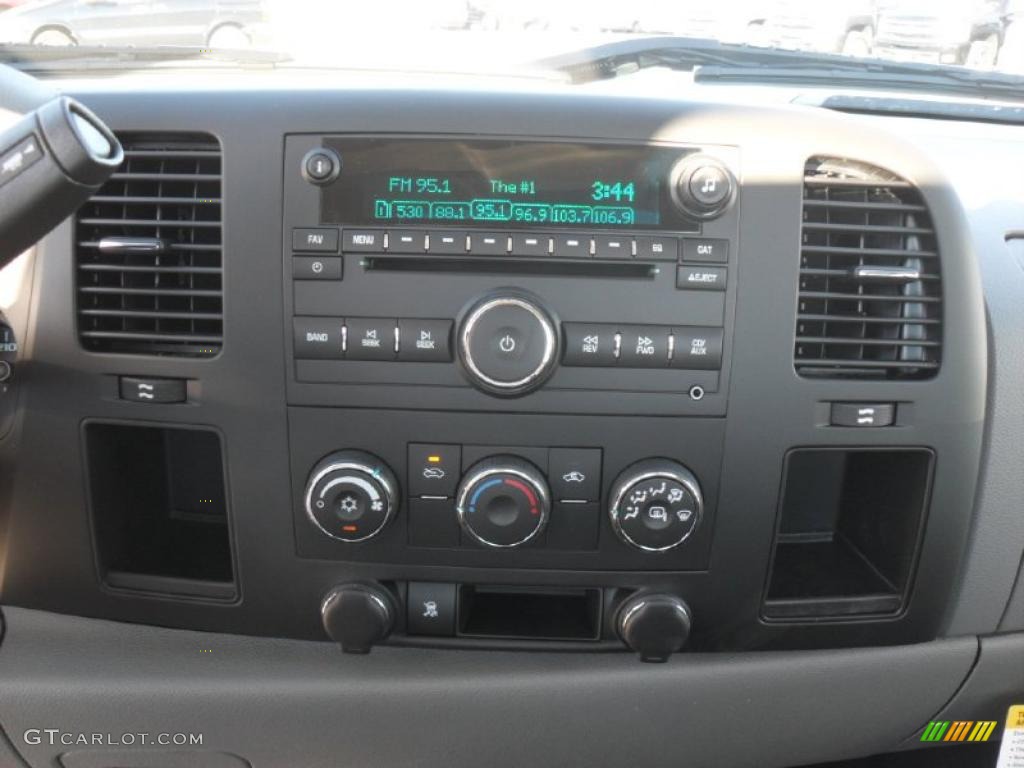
534 613
849 529
159 509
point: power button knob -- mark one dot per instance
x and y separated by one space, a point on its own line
508 344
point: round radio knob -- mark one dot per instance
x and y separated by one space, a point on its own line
503 502
351 495
655 626
656 504
508 344
702 186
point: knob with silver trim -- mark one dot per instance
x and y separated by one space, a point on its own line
656 505
503 502
508 344
702 187
654 625
358 616
351 495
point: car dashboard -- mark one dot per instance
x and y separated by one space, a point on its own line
519 388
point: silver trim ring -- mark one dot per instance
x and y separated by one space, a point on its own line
471 480
550 342
683 477
364 469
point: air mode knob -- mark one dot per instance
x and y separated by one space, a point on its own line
702 186
656 504
351 495
503 502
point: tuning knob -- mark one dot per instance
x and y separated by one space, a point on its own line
351 495
503 502
656 504
702 186
358 616
655 626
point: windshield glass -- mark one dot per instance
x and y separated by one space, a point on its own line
486 35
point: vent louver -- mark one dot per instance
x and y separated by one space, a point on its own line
870 303
148 251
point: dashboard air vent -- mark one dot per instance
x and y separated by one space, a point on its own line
149 251
870 302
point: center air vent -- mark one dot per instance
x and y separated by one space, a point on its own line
148 251
870 302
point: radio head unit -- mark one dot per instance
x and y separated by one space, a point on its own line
572 276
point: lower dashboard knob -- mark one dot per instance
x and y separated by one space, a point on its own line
655 626
503 502
656 505
358 616
508 345
351 495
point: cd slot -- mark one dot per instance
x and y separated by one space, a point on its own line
511 266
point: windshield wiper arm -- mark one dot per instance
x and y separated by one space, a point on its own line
712 61
45 58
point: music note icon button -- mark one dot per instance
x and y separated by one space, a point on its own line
709 185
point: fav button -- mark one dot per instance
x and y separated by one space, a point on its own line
315 239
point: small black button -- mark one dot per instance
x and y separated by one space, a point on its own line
530 245
574 525
447 242
575 473
370 338
320 165
706 249
589 344
431 609
613 247
425 341
146 390
693 278
316 268
710 185
644 346
572 246
318 338
407 241
315 239
362 241
657 248
488 244
433 523
863 414
434 469
697 348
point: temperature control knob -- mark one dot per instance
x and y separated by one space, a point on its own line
656 504
702 186
351 495
503 501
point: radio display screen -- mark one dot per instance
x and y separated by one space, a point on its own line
492 183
